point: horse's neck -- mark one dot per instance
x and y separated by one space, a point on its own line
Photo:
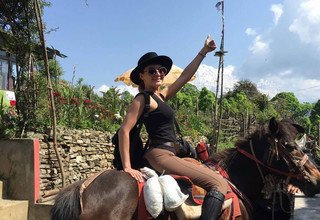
244 173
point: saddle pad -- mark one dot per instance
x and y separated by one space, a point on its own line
197 193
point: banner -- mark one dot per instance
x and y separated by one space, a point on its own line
7 98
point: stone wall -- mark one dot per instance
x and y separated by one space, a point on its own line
83 153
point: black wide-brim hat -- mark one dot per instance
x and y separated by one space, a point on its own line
148 59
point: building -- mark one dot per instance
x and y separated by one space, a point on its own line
8 67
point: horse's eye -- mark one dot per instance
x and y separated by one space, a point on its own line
290 146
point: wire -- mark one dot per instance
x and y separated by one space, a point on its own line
308 88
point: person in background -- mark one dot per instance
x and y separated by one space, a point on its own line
161 154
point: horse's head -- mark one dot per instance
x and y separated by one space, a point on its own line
288 158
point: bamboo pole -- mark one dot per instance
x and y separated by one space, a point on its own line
220 53
50 90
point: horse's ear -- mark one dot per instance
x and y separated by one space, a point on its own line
299 128
273 126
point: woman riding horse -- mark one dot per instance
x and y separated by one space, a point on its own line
270 153
161 152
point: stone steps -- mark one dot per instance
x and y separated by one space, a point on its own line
12 209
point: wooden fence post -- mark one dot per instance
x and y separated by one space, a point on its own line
319 133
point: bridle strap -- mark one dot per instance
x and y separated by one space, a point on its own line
304 160
291 160
250 156
259 168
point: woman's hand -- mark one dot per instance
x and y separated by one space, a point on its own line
293 189
134 173
209 45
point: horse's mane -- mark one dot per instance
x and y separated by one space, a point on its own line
260 132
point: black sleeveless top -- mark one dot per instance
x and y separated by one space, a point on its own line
160 122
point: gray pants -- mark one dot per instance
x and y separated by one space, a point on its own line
164 160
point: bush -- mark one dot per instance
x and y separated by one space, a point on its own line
9 120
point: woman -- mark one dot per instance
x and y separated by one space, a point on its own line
149 75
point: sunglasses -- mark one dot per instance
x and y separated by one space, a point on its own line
152 71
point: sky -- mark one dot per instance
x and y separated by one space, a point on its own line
274 44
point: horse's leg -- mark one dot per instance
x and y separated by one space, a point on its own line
112 196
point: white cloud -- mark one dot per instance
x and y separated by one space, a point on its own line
285 73
306 24
259 46
104 88
101 89
251 32
268 87
304 89
206 76
285 57
277 12
132 90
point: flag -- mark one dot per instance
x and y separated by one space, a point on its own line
219 5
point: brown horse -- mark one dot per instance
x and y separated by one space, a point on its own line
260 166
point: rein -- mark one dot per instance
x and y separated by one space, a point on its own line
252 157
289 175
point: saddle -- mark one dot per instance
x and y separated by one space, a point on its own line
191 208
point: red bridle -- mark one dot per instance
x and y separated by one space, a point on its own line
287 174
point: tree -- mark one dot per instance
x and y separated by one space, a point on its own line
111 99
54 68
20 33
239 103
248 88
304 117
252 93
206 100
186 97
268 112
262 101
315 113
287 105
315 117
126 99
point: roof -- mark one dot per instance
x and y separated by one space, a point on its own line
7 40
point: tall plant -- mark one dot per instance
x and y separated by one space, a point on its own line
18 24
